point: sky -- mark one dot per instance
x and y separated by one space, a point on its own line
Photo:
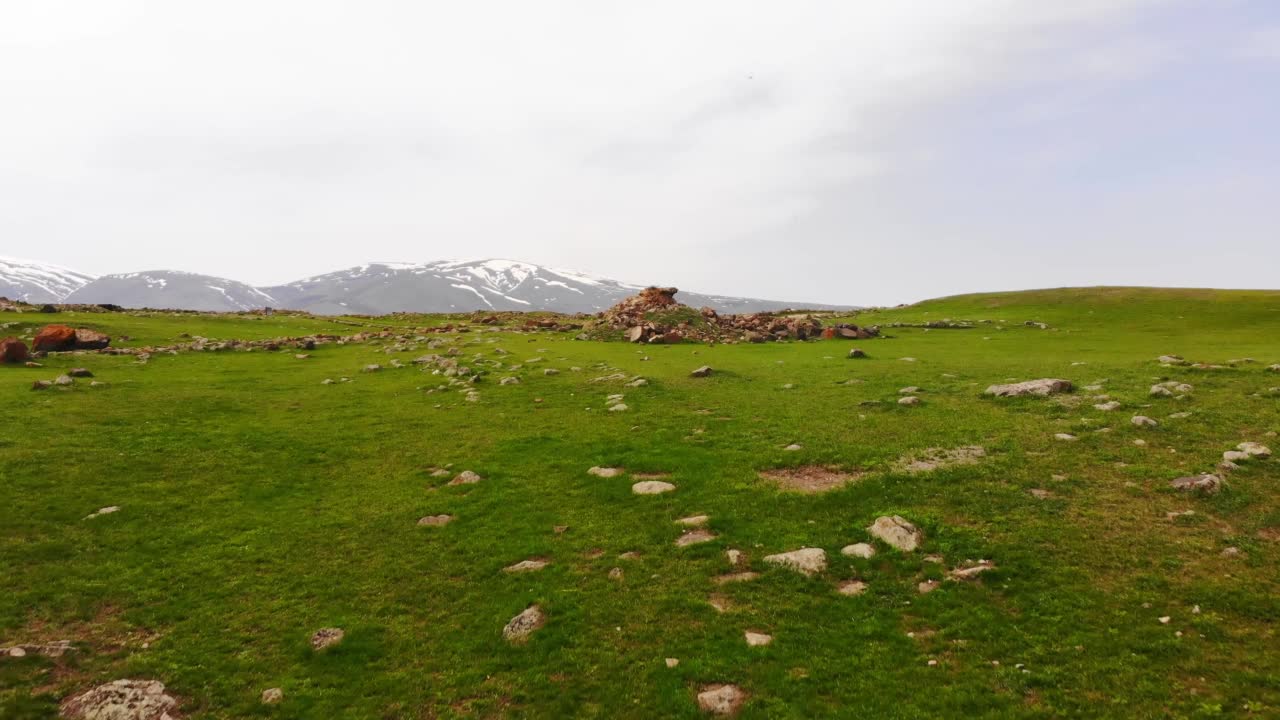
845 152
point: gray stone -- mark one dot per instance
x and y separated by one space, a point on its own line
1206 484
859 550
121 700
807 561
896 532
523 625
1041 387
724 700
652 487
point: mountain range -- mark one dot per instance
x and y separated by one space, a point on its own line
373 289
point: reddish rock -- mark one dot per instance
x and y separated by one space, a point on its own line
53 338
13 350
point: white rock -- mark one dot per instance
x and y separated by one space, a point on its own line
896 532
652 487
858 550
808 561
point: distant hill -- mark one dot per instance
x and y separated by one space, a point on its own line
172 289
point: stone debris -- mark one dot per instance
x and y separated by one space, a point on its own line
1107 406
1065 437
971 571
1206 484
721 699
693 521
859 550
272 696
1041 387
672 662
103 511
121 700
605 472
856 354
695 537
326 638
520 627
1253 449
1171 360
733 556
793 447
807 561
1143 421
466 477
434 520
852 587
526 566
615 573
896 532
704 371
909 400
652 487
757 639
54 649
927 586
1040 494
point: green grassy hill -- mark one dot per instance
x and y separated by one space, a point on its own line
258 505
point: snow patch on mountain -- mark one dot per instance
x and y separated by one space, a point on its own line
36 282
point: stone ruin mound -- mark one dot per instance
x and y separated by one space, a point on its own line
655 317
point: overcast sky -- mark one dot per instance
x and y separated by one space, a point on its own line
867 152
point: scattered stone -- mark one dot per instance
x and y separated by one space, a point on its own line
1206 484
909 400
1143 421
374 367
912 390
615 574
41 385
121 700
896 532
509 381
80 373
810 478
1040 494
64 380
855 354
1235 456
859 550
1171 360
523 625
1065 437
619 407
721 699
1231 552
1042 387
852 587
693 521
807 561
756 639
54 649
734 556
793 447
1107 406
605 472
1253 449
466 477
435 520
695 537
326 638
927 586
652 487
704 371
972 571
672 662
526 566
551 371
102 511
272 696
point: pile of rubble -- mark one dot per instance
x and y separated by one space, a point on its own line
654 316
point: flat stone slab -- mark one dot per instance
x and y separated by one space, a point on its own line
326 638
526 566
1041 387
466 477
693 521
757 639
605 472
695 537
121 700
897 532
807 561
434 520
1206 484
652 487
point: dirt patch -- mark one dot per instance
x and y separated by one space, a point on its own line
810 478
937 458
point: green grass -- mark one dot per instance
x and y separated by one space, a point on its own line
259 505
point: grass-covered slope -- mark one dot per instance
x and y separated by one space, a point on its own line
259 505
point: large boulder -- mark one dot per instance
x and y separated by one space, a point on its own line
13 350
53 338
1041 387
87 339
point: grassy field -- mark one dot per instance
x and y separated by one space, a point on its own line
258 505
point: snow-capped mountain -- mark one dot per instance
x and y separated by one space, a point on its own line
171 289
460 286
445 286
37 282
